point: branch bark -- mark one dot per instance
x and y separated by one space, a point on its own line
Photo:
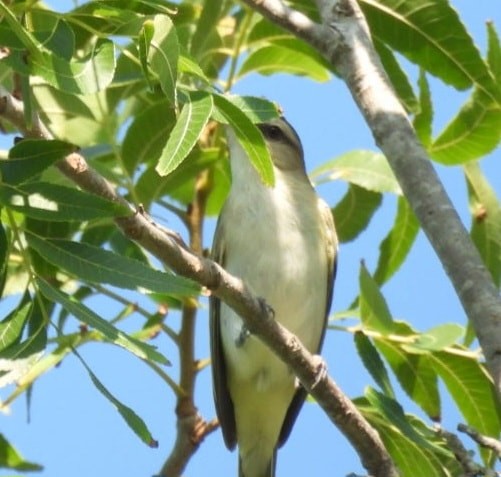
167 247
343 38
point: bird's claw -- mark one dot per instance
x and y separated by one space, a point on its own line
321 370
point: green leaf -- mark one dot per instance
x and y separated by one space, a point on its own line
393 412
289 58
162 55
394 249
474 132
437 338
146 136
10 458
486 219
110 332
102 266
29 157
4 255
188 128
494 51
373 362
398 77
471 387
258 110
354 212
415 374
211 12
12 325
18 358
424 118
130 417
421 31
366 169
248 135
46 201
411 458
88 75
374 311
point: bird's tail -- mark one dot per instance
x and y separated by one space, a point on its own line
257 470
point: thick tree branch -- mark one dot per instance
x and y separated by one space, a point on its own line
343 38
166 246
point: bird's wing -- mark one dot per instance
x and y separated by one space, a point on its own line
331 243
222 399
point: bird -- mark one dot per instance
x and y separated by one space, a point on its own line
281 241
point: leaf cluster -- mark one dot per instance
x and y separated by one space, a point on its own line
141 89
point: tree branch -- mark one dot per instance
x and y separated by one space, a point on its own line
167 247
344 39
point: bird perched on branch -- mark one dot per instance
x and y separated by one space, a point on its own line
281 241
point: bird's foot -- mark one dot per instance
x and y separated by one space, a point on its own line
242 337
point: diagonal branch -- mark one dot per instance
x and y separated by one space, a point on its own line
167 247
344 39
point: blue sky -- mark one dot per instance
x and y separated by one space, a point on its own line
75 431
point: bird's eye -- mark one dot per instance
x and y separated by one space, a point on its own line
271 131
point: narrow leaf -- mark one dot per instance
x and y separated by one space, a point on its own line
474 132
88 75
373 362
494 51
102 266
415 374
472 390
10 458
423 119
248 135
486 219
188 128
354 212
398 77
374 311
130 417
12 325
438 338
398 243
30 157
110 332
421 31
366 169
272 59
146 136
163 54
46 201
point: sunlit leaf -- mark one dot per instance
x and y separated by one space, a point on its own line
398 77
472 390
415 374
88 75
102 266
423 119
10 458
280 58
398 243
373 362
366 169
473 132
110 332
186 132
421 31
486 219
248 135
494 51
354 212
12 325
162 54
437 338
46 201
374 311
